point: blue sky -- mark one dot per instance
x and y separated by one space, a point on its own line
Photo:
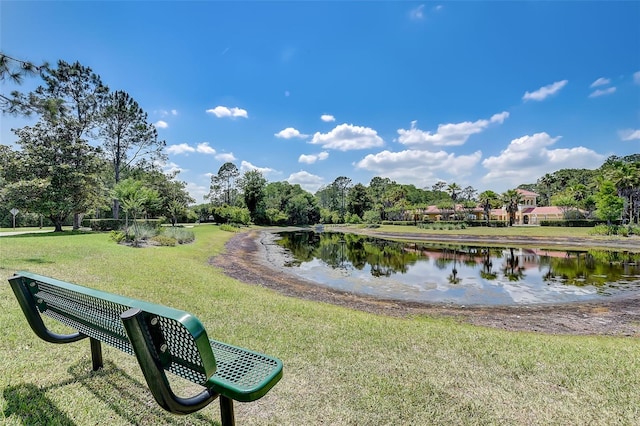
487 94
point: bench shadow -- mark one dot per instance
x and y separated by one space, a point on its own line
31 405
123 394
128 397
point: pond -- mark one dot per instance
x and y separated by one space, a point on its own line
458 274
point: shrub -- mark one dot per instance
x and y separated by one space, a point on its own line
113 224
181 235
352 218
228 228
117 236
104 224
492 223
142 231
621 230
371 216
604 230
164 240
443 225
576 223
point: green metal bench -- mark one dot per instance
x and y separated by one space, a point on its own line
161 338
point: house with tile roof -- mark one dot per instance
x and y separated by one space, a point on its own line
529 213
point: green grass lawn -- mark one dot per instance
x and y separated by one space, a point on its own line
340 366
512 231
28 229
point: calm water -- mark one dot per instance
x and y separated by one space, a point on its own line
465 275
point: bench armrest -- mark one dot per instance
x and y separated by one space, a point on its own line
31 312
151 365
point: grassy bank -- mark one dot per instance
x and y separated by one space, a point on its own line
341 366
557 237
511 231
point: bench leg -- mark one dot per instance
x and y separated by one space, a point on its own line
226 411
96 353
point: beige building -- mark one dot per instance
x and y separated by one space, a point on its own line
528 211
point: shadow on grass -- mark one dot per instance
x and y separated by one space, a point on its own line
48 234
123 394
31 405
36 260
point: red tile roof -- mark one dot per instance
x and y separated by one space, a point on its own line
527 193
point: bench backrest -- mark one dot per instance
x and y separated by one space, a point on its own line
96 314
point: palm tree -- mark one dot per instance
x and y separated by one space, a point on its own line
454 189
488 199
626 177
512 200
546 182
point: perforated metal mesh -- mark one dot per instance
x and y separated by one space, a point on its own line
100 319
91 316
184 350
243 369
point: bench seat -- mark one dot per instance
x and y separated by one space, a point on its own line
161 338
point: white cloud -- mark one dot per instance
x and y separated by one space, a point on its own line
528 157
306 180
204 148
448 134
161 124
165 113
600 82
223 111
246 166
629 134
185 148
417 13
289 133
499 118
181 148
312 158
327 118
225 157
545 91
196 191
171 167
419 167
636 77
602 92
345 137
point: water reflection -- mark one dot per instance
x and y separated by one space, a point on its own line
459 273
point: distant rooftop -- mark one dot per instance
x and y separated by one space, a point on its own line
527 193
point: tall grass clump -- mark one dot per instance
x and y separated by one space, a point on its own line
137 234
621 230
181 235
229 228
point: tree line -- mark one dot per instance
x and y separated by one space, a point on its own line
610 193
93 151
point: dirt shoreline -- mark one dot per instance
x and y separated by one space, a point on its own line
248 259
